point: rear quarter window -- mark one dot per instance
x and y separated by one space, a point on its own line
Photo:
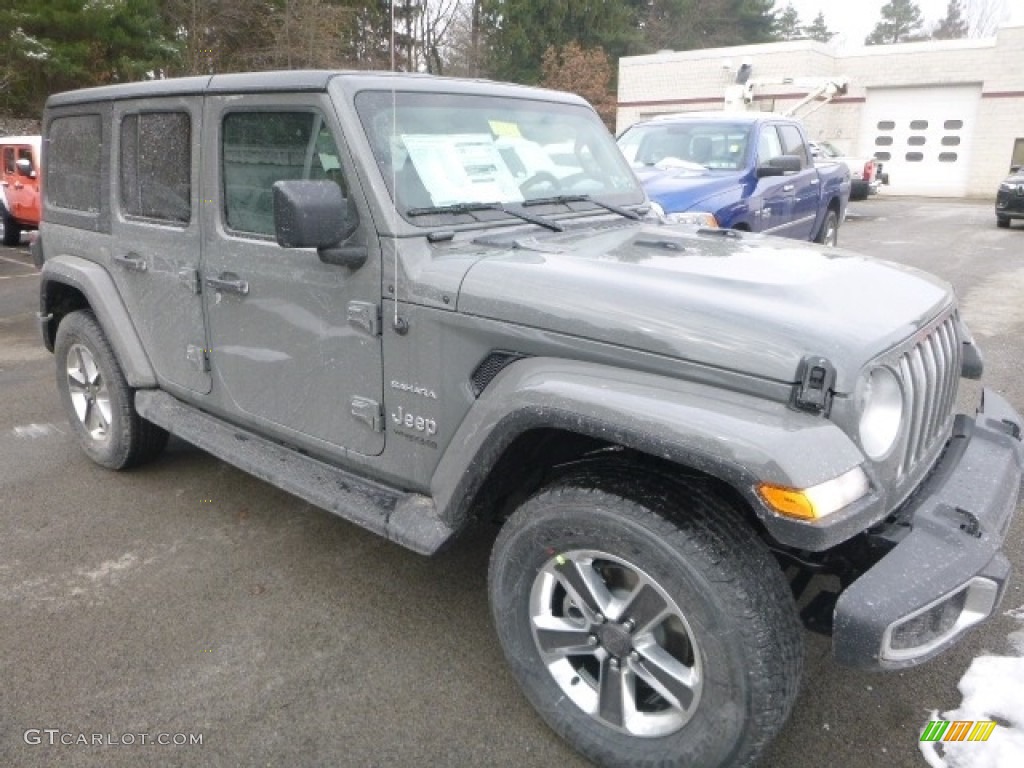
75 161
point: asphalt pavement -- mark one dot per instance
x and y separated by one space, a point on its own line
186 601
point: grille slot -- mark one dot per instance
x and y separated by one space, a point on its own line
930 371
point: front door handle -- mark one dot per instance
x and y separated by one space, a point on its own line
788 188
132 261
228 282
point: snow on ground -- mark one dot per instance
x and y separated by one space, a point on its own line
992 689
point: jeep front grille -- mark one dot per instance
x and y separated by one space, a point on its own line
930 371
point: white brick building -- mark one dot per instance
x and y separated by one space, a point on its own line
946 117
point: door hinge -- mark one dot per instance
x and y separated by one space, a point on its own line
190 279
365 315
369 412
199 357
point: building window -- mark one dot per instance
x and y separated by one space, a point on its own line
916 141
883 141
914 157
73 168
883 156
947 157
953 125
918 125
156 166
951 141
886 125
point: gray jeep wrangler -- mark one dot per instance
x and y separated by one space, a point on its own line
420 303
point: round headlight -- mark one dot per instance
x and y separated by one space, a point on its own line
881 413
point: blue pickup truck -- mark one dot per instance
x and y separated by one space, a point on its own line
749 171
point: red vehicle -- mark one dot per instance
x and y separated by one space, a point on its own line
19 186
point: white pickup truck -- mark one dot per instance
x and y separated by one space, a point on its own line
865 172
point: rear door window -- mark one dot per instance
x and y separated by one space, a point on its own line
156 163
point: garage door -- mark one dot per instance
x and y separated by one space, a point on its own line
922 136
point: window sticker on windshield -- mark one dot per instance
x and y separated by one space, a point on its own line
503 128
461 168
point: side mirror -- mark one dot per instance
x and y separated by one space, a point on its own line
315 214
780 166
24 166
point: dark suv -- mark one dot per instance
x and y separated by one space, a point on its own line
1010 198
423 303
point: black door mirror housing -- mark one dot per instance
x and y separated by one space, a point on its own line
780 166
315 214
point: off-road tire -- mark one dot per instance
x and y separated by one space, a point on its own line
699 551
829 232
127 440
11 229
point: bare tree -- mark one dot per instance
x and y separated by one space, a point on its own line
586 72
985 16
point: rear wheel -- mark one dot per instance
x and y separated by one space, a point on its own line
98 401
829 233
11 229
1002 221
647 625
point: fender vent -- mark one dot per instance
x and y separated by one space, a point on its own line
490 367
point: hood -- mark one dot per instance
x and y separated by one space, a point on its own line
682 188
755 305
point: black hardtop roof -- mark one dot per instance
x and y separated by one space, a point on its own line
291 81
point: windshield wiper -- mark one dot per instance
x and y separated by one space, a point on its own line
473 207
629 214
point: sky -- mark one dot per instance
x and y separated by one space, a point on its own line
855 20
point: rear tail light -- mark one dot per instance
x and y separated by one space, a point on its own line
869 171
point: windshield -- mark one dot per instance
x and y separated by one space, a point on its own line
703 145
828 150
440 150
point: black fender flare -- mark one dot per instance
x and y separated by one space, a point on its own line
100 291
737 438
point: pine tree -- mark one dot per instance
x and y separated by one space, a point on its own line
901 22
818 30
522 30
684 25
787 24
64 44
954 25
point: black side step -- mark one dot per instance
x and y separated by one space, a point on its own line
409 519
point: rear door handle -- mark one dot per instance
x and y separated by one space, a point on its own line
788 188
132 261
228 282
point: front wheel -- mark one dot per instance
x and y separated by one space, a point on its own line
1002 222
829 233
646 626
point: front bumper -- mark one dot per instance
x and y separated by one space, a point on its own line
947 572
1010 205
